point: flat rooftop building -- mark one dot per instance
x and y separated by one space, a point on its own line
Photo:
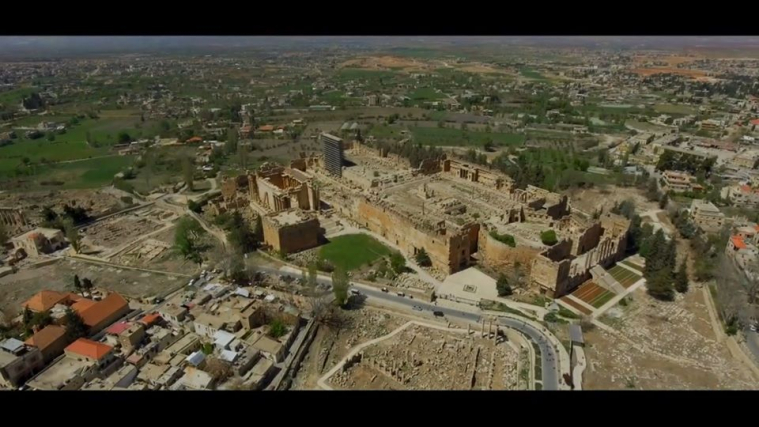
291 230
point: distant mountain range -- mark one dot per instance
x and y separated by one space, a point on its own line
61 46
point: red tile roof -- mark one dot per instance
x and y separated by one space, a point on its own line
47 336
88 348
82 305
195 139
45 300
150 319
266 128
118 328
738 242
101 310
754 122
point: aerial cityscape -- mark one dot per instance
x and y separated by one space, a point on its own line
379 213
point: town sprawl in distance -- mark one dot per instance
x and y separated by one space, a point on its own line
405 213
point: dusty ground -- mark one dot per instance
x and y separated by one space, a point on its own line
588 200
97 203
680 330
17 288
421 358
380 62
331 345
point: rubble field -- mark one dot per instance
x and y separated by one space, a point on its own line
114 232
422 358
331 344
680 330
17 288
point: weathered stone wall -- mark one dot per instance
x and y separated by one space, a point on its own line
497 255
291 238
587 240
449 253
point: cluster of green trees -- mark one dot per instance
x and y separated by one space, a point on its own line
422 258
671 160
661 273
414 153
188 239
550 168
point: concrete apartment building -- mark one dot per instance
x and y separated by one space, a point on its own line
334 157
18 362
741 195
679 182
706 216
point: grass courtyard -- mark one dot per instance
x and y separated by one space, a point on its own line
352 251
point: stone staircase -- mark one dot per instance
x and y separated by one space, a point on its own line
605 280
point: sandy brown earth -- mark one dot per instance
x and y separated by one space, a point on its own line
670 346
695 74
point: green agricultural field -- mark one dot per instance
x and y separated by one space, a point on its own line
13 97
352 251
531 74
675 109
425 94
456 137
385 131
89 173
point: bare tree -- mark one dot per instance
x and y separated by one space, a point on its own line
218 369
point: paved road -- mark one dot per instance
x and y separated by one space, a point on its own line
549 357
548 354
752 342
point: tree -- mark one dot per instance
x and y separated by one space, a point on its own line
88 286
548 237
340 285
312 275
663 201
242 155
78 285
219 370
238 273
681 278
187 239
503 286
397 262
660 286
277 328
124 137
188 174
258 229
26 316
3 234
230 146
422 258
75 327
149 157
670 255
41 319
489 146
72 235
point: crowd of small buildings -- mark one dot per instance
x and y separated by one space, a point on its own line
200 339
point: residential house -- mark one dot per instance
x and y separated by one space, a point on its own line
206 325
194 379
173 313
91 351
270 348
50 340
742 195
39 241
706 216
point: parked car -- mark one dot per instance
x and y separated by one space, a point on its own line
384 290
355 292
438 313
400 294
